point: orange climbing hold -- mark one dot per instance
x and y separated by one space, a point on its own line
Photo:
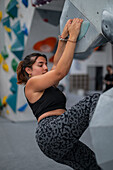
46 45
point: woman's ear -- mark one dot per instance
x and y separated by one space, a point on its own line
28 70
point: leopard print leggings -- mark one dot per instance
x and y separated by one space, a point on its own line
58 136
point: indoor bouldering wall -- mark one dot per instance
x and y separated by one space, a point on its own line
25 29
15 23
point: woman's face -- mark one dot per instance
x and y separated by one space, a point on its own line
39 67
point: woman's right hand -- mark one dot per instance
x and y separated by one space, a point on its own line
74 28
65 32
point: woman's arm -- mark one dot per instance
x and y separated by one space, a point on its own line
61 45
58 54
41 82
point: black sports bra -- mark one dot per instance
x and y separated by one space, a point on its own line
51 99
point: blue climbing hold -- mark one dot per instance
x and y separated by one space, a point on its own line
25 2
22 108
84 28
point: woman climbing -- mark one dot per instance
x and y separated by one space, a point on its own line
59 129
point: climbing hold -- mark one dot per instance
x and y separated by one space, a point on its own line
0 15
6 23
12 99
25 30
7 29
17 48
18 51
13 81
20 37
84 28
4 100
25 2
0 102
5 66
1 106
12 9
4 53
1 58
7 111
14 65
16 27
22 108
46 45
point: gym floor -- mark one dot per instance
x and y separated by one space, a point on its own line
19 150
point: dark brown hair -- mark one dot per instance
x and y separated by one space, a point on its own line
29 60
110 66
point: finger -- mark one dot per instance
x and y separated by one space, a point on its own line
78 20
81 20
70 21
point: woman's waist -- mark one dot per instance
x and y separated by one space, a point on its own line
51 113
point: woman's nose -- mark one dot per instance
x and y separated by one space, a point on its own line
45 67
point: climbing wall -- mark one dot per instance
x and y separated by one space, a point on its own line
15 22
25 29
96 28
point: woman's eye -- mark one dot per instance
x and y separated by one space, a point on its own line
40 65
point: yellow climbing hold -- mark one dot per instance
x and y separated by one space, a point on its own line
1 58
0 15
7 28
4 100
7 111
5 67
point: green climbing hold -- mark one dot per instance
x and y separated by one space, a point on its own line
4 53
14 65
0 103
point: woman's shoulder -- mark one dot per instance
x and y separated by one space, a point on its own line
31 95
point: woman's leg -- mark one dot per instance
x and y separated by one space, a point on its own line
58 135
77 118
80 157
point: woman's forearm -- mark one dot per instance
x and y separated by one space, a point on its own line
59 52
65 61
